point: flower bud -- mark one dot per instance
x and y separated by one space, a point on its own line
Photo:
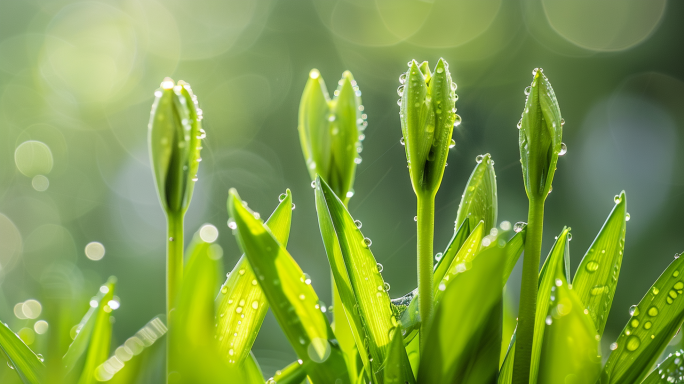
427 117
331 131
175 138
541 128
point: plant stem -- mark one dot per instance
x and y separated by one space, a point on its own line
528 292
174 272
426 233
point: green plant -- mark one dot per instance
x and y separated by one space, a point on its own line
448 330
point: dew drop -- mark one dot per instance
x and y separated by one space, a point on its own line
655 290
648 325
367 242
634 310
519 226
232 224
563 150
313 184
627 216
282 197
479 158
415 218
10 365
457 120
402 78
653 311
401 141
613 346
305 278
255 304
519 123
400 90
549 320
528 89
452 143
439 256
386 286
358 223
617 199
399 102
633 343
379 267
293 206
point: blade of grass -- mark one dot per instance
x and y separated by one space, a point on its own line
460 262
455 244
98 346
479 202
86 326
297 306
237 325
252 370
596 278
398 368
460 326
20 357
294 373
570 349
653 324
669 371
559 257
365 279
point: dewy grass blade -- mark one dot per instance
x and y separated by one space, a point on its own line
252 371
20 357
596 278
559 257
570 349
460 236
653 324
397 368
479 201
297 307
87 324
462 260
514 249
98 346
294 373
669 371
241 306
362 269
460 324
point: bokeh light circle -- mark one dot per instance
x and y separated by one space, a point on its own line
208 233
95 251
33 158
606 25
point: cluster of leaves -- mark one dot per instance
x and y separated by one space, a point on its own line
375 339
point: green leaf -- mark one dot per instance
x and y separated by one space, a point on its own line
132 359
427 122
252 370
479 201
98 346
362 289
25 363
294 373
559 258
514 248
297 307
398 368
540 133
463 341
653 324
455 244
86 326
469 250
596 278
570 349
241 306
669 371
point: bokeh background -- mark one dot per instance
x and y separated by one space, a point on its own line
77 81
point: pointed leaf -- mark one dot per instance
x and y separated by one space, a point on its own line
596 277
455 244
398 368
514 248
98 346
479 201
252 370
458 332
462 260
297 307
669 371
237 329
570 349
25 363
294 373
653 324
366 282
314 126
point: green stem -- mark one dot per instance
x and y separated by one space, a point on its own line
426 233
174 272
528 293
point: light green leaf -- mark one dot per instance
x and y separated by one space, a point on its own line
398 368
462 344
570 349
294 373
653 324
252 370
479 201
596 277
559 257
98 346
366 282
297 307
455 244
669 371
86 326
241 306
26 364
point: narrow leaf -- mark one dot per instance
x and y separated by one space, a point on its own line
366 282
596 277
241 306
514 248
458 333
479 201
669 371
25 363
455 244
570 349
297 307
398 368
252 371
294 373
653 324
98 347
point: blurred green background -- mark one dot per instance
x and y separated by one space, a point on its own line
77 81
